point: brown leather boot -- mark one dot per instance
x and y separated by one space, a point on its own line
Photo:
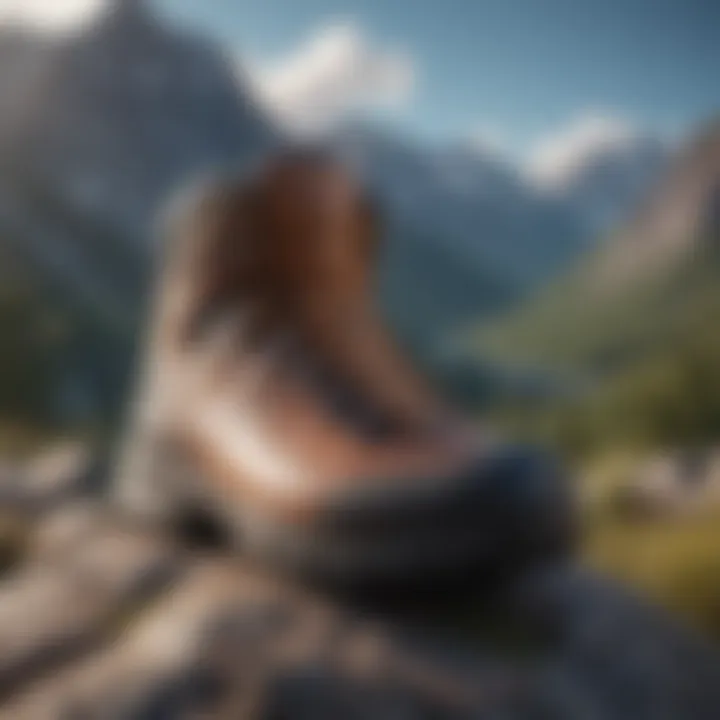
273 397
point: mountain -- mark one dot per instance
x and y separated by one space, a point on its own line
652 284
98 129
477 206
628 341
113 118
605 182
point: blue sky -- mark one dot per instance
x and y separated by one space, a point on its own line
513 69
531 78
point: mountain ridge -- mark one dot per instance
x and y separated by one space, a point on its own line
659 270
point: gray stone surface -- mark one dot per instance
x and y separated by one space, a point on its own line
100 620
54 608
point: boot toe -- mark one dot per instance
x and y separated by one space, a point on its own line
509 509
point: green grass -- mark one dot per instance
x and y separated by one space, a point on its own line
676 561
582 324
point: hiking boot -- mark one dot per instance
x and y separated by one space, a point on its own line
274 399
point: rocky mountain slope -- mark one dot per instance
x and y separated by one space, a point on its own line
653 285
605 185
116 116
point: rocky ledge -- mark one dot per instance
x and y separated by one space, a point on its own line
100 619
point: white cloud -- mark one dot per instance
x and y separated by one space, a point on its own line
50 14
555 158
335 72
